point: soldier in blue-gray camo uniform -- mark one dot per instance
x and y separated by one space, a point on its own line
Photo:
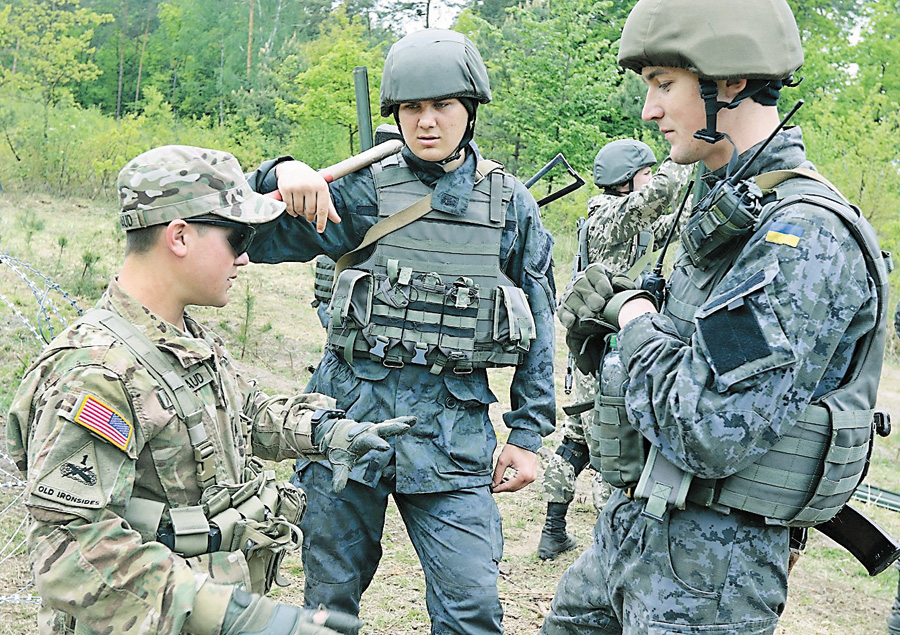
746 399
416 319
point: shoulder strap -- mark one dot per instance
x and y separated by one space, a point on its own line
878 263
186 404
404 217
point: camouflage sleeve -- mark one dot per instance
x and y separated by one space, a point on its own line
283 427
87 560
532 412
779 328
615 221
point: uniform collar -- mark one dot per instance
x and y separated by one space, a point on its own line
452 190
189 348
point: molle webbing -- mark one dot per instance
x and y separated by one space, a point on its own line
324 280
168 376
432 293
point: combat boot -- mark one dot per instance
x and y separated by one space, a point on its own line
554 539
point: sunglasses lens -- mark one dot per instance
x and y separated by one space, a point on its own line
240 238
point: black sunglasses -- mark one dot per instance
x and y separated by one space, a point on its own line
240 236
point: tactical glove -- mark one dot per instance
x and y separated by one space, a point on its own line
251 614
581 307
344 441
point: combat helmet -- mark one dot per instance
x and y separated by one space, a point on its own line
756 40
435 64
616 163
174 181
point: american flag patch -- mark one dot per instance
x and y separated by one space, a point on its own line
103 421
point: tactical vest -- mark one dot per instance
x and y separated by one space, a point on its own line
812 471
257 516
432 292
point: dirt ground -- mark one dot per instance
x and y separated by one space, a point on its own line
270 325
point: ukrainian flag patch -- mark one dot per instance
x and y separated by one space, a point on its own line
784 234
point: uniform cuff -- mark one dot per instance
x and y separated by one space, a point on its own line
525 439
640 331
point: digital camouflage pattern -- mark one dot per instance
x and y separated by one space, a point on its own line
614 222
559 475
446 461
712 414
172 182
88 561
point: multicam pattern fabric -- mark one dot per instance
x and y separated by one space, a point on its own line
87 560
801 327
614 222
172 182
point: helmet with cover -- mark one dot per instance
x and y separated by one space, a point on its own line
172 182
617 163
756 40
435 64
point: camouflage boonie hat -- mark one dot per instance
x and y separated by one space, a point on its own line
172 182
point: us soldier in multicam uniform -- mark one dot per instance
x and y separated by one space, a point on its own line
623 224
137 433
747 401
415 322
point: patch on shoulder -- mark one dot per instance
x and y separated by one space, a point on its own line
104 421
784 234
75 481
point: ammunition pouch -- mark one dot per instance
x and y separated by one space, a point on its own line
419 318
257 518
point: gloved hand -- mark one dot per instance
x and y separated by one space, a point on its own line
344 441
581 306
253 614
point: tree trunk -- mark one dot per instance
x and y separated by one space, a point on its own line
137 90
122 28
250 40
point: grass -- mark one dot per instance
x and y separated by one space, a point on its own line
829 591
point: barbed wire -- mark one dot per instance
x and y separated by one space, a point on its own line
42 293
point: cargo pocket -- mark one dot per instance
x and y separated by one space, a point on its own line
466 434
741 332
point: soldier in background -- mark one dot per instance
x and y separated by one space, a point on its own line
731 403
139 437
623 224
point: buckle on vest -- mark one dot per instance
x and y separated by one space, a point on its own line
462 363
379 348
418 350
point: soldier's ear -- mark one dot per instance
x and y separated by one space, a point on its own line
175 237
731 88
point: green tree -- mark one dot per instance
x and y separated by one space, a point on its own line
325 88
47 47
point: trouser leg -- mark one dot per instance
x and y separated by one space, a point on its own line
559 486
459 540
341 539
